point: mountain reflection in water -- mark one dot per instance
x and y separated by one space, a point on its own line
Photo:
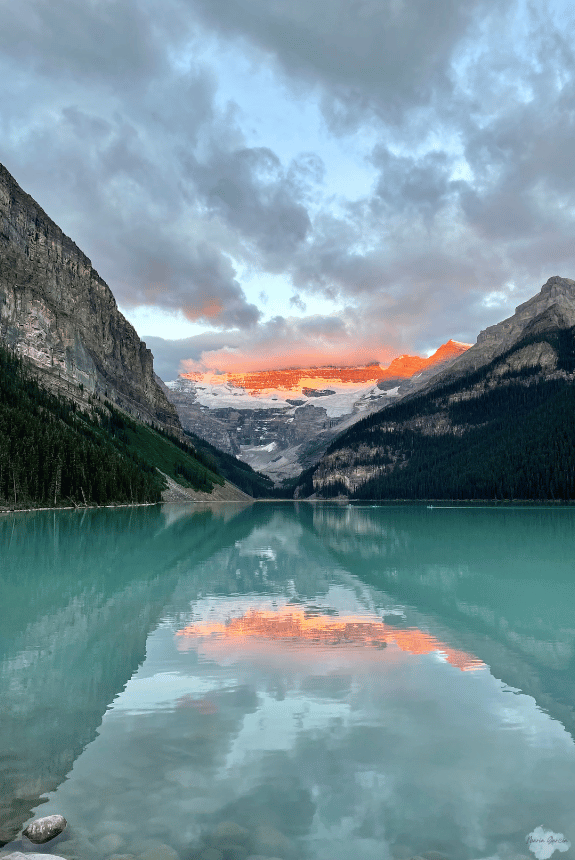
308 672
302 629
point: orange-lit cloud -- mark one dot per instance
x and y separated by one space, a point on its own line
207 309
285 345
297 378
276 629
346 338
284 342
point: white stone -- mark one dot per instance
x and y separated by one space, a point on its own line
43 829
18 855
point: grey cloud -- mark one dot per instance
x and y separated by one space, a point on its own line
200 283
253 193
323 326
297 302
118 173
139 145
168 354
381 56
134 157
109 41
407 182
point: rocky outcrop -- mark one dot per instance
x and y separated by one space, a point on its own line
227 493
58 312
552 308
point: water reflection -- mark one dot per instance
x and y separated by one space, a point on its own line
80 593
496 582
263 630
331 681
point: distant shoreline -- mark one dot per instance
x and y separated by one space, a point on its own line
433 503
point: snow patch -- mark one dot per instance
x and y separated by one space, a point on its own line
214 392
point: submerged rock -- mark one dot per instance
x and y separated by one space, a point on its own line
434 855
160 851
229 831
270 842
209 854
43 829
111 843
230 840
78 847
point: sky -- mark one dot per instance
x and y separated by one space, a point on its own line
278 183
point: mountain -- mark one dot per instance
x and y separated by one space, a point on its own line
83 418
553 308
281 421
497 423
57 312
53 453
411 371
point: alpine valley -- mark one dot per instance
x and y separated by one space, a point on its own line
84 419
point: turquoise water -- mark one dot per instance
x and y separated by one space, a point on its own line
288 680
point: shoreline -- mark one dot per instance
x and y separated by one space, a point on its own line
437 503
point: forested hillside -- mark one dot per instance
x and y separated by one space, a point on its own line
506 431
239 473
52 453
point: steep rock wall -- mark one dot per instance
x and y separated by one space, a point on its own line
58 312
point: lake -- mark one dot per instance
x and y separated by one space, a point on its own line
292 680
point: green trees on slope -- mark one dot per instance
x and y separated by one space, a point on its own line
512 441
52 453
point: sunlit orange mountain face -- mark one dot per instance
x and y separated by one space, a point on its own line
297 379
294 379
270 632
407 366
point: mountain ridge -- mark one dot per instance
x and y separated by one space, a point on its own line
556 298
83 417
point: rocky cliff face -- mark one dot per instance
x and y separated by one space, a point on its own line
278 440
58 312
552 307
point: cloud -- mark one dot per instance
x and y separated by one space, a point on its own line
297 302
339 339
121 122
381 57
252 193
